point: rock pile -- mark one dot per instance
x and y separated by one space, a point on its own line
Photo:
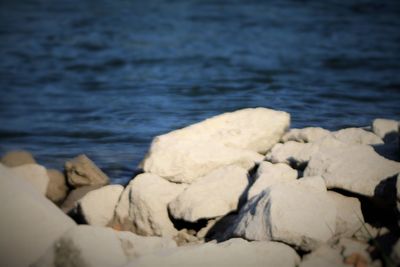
238 189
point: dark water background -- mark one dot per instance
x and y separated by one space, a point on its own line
105 77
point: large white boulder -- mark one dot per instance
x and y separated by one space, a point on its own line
213 195
349 218
357 136
305 135
269 174
296 214
97 207
29 222
232 253
355 168
142 207
231 138
384 127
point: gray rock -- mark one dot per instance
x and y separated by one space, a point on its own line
17 158
71 202
81 171
296 214
29 224
57 188
233 253
234 138
213 195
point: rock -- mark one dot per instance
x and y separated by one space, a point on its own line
313 182
395 255
57 188
355 168
234 138
291 213
87 246
29 223
357 136
17 158
142 207
33 174
213 195
368 232
349 216
351 247
323 256
97 207
184 237
293 153
202 233
388 130
269 174
74 196
234 253
305 135
81 171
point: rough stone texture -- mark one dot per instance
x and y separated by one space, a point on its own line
213 195
269 174
355 168
57 188
292 153
29 223
97 207
34 174
294 214
313 182
87 246
81 171
305 135
142 207
17 158
357 136
349 216
74 196
383 128
323 256
232 253
231 138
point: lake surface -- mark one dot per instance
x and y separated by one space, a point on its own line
105 77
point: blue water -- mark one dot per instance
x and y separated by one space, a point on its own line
105 77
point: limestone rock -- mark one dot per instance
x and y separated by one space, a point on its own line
74 196
349 217
306 135
384 128
81 171
292 153
234 138
29 224
17 158
57 188
357 136
213 195
269 174
291 213
234 253
97 207
354 168
323 256
142 207
313 182
33 174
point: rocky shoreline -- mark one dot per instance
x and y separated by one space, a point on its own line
238 189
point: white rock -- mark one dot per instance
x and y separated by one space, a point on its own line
349 216
357 136
306 135
97 207
142 208
297 215
34 174
323 256
231 138
355 168
29 224
269 174
292 153
350 246
313 182
233 253
213 195
383 127
84 245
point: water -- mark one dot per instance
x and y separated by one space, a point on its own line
105 77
